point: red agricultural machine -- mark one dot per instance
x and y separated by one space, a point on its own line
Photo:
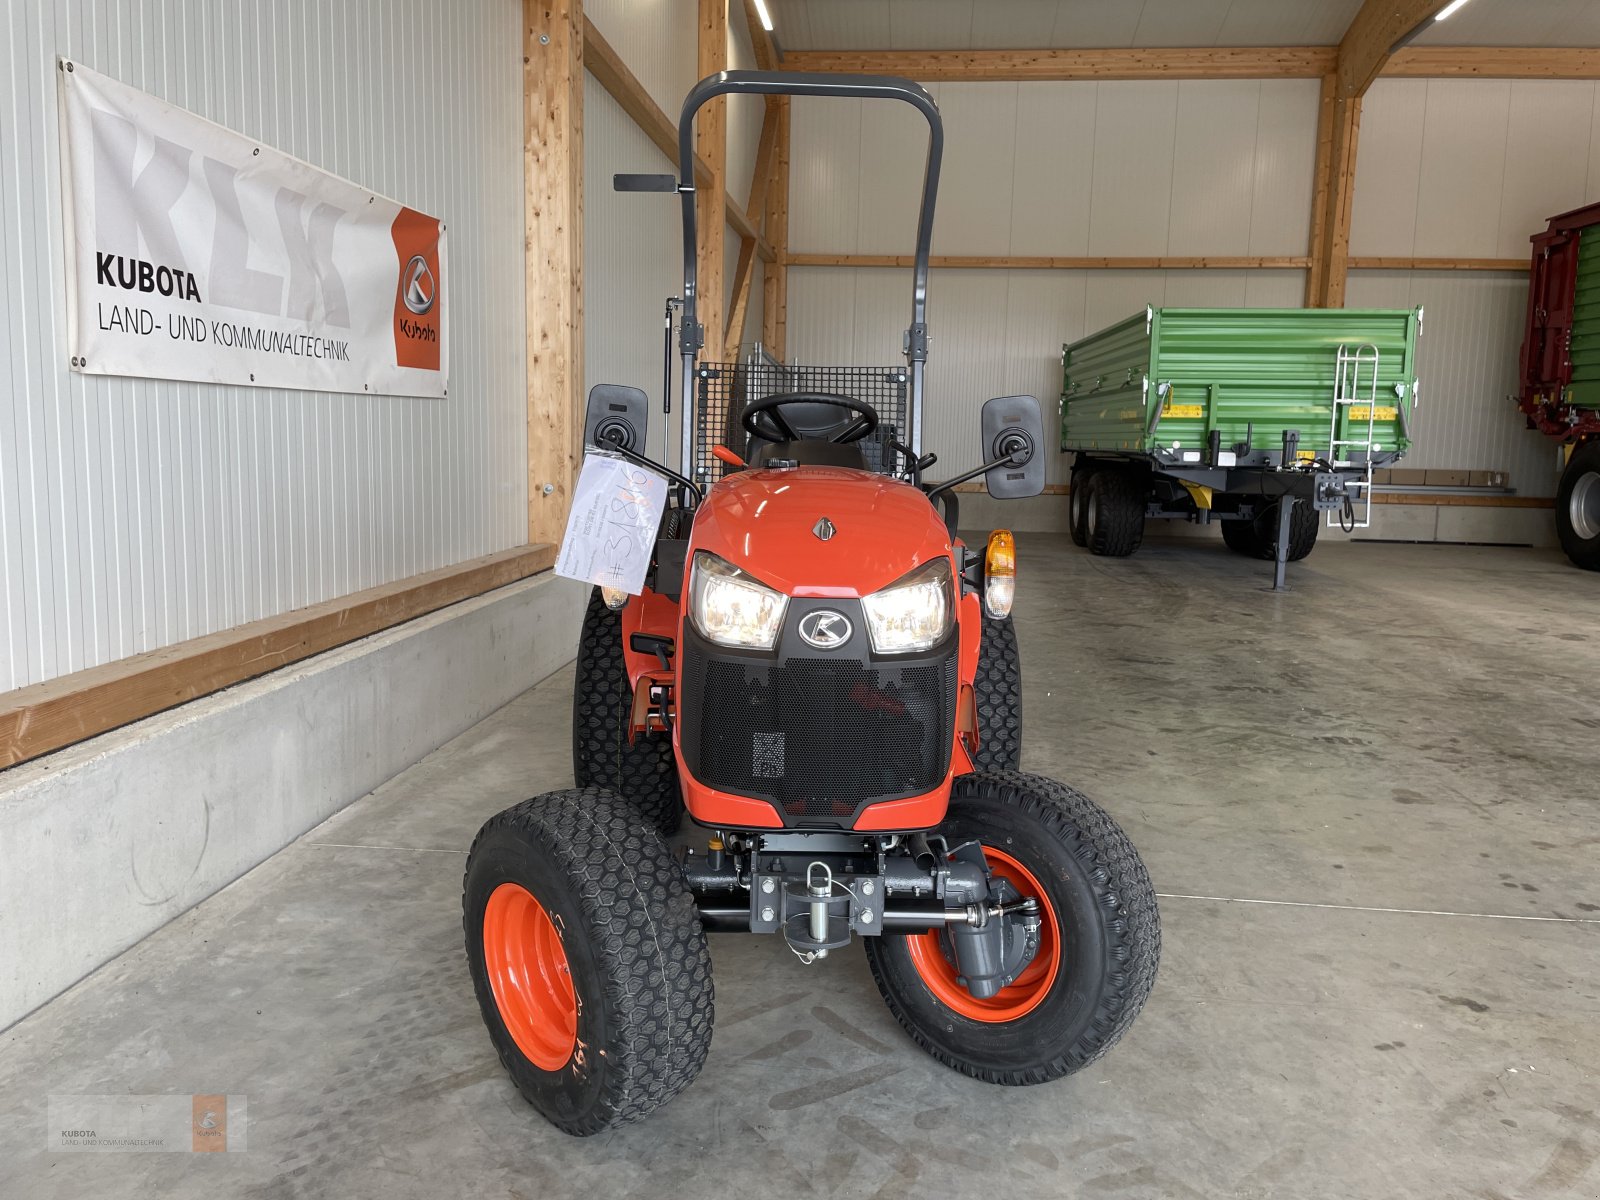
1560 369
805 723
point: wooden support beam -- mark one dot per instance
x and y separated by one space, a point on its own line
938 66
1438 264
775 284
1374 31
768 56
711 202
1243 62
1493 62
47 716
611 73
1030 262
755 213
552 91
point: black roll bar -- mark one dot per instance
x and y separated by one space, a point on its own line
805 83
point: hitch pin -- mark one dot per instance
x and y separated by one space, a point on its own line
820 895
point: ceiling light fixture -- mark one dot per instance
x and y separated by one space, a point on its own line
1439 16
766 18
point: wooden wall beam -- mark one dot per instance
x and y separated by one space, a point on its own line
1437 264
1493 62
938 66
1338 134
755 213
552 91
47 716
611 73
1244 62
1025 262
775 284
711 142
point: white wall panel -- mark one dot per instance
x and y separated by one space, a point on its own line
893 150
1213 167
825 189
974 210
1051 194
1470 168
1538 183
1467 362
658 39
1383 215
137 513
1285 154
1131 194
1463 157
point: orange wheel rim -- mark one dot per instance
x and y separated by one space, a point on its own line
529 975
937 969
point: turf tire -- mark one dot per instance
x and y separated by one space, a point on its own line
643 771
1114 512
1104 905
638 958
998 689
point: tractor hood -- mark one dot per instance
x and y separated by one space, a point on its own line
766 522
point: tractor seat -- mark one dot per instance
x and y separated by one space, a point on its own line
815 423
810 452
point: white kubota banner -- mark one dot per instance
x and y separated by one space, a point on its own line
194 252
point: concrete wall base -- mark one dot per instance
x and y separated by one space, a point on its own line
106 841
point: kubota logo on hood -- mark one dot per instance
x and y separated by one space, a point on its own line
825 629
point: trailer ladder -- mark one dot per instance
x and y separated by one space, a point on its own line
1355 385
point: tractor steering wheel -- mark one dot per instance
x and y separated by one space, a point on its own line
764 419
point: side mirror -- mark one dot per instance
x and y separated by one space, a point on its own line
1013 430
616 408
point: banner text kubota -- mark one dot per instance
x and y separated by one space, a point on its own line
197 253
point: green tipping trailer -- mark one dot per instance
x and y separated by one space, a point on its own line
1259 419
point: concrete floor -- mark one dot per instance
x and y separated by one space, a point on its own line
1372 806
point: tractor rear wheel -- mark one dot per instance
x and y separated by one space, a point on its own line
998 689
1578 507
588 959
1099 943
1114 512
642 770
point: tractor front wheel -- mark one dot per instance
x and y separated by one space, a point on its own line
588 959
643 770
998 688
1099 942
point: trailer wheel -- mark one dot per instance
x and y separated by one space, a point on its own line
1240 537
1304 521
1099 946
998 687
1258 538
1114 512
1578 507
643 770
1077 504
588 959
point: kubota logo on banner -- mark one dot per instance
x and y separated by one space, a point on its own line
197 253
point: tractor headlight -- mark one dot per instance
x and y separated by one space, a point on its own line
914 612
731 608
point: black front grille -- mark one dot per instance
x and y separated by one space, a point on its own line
818 736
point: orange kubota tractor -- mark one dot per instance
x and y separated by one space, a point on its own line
806 723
